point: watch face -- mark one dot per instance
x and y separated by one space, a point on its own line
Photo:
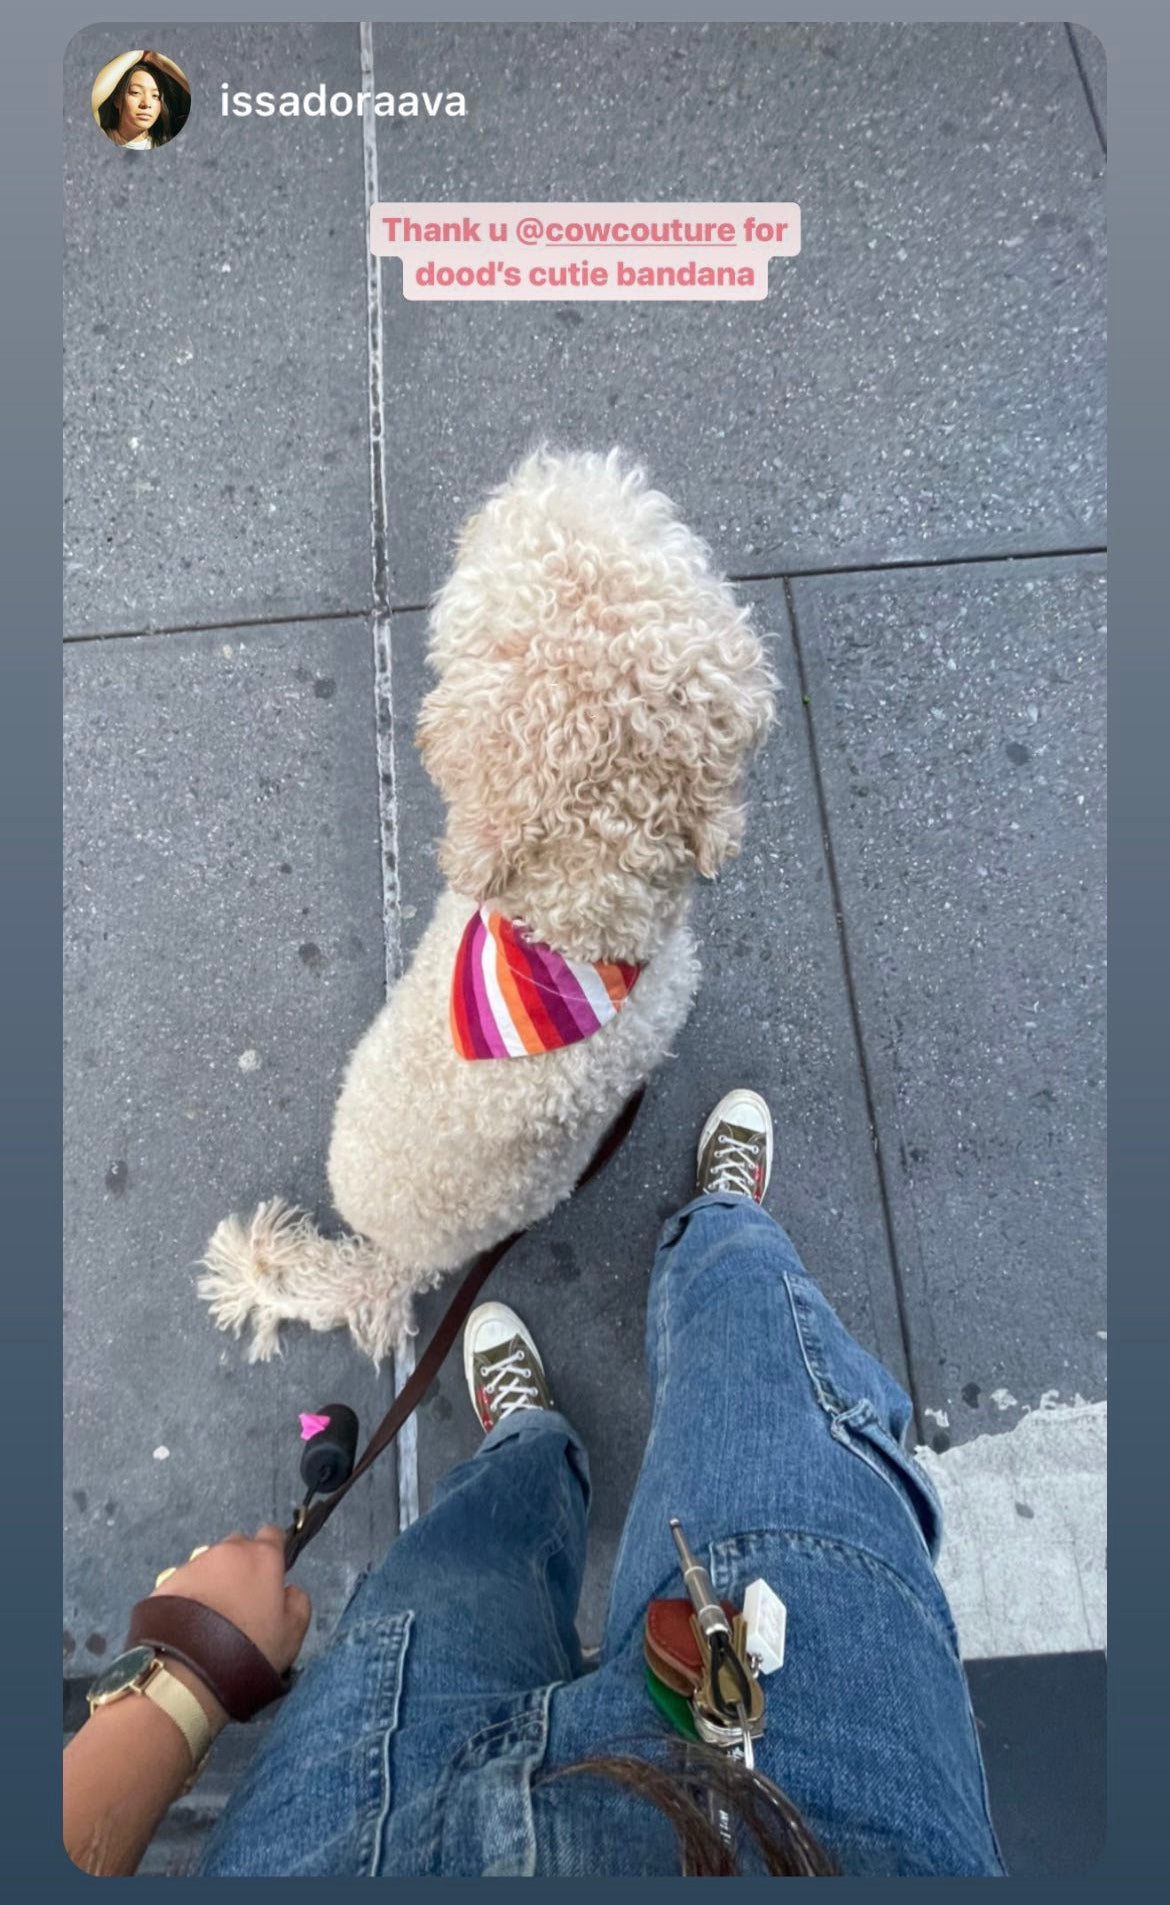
121 1673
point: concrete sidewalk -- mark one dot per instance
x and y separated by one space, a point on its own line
900 457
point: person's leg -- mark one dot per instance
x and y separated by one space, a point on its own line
767 1413
492 1570
778 1442
473 1606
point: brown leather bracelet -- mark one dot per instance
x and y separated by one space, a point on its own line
230 1665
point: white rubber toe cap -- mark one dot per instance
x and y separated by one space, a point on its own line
747 1109
489 1325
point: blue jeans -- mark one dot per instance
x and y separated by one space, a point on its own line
426 1740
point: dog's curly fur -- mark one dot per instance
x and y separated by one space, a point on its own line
598 694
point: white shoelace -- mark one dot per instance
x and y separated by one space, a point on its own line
510 1386
735 1164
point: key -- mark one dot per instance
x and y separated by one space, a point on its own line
719 1683
744 1751
729 1700
708 1614
728 1704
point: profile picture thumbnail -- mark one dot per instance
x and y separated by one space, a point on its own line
141 99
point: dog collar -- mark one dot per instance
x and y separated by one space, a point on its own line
512 997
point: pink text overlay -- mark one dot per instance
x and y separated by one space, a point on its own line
570 251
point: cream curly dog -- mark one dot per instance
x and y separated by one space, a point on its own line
598 694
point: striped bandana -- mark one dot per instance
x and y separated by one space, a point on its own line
511 997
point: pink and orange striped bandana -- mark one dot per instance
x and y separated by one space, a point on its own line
511 997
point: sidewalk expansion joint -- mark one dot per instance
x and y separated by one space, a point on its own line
838 905
303 618
364 611
921 562
406 1452
873 568
1079 63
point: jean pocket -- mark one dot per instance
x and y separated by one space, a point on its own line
860 1429
314 1802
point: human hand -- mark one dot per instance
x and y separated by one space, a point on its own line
242 1578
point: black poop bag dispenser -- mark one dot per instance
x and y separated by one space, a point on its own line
327 1459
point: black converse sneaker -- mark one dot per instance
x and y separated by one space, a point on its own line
502 1365
735 1150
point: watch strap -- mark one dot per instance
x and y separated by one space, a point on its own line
242 1678
184 1708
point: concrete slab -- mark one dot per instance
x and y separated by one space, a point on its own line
1023 1559
959 716
222 953
216 382
926 379
773 1012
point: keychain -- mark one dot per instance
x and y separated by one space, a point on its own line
704 1662
705 1658
728 1701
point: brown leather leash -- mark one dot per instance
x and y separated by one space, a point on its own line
241 1677
310 1521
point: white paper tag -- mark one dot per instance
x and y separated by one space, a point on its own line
767 1623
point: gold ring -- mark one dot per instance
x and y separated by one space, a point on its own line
196 1552
164 1576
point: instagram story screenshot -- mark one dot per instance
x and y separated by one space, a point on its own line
584 580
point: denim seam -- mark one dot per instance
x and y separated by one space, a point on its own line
523 1726
404 1622
897 1451
812 1351
368 1751
730 1548
570 1441
852 1552
556 1544
528 1725
841 1430
862 1413
661 1390
387 1635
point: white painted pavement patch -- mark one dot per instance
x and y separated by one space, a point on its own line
1023 1555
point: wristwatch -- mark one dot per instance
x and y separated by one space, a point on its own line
143 1670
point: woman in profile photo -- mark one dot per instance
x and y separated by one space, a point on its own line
141 99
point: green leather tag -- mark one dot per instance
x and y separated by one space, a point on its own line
671 1705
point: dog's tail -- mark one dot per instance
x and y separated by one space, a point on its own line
275 1267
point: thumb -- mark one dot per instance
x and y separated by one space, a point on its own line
298 1612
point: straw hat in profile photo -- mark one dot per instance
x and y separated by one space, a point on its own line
141 99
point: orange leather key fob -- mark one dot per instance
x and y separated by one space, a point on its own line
669 1644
